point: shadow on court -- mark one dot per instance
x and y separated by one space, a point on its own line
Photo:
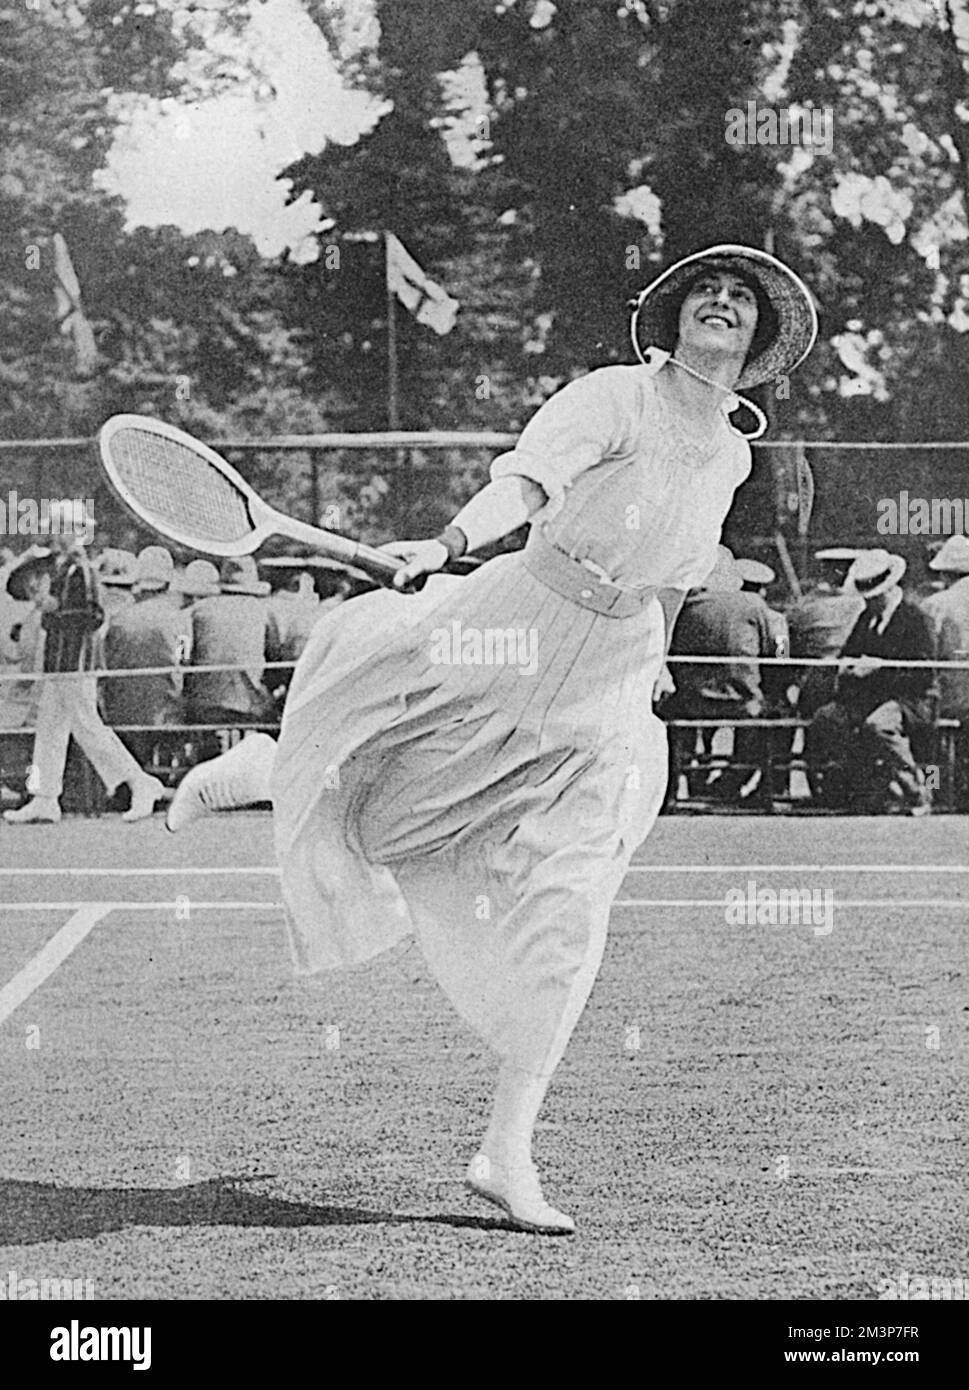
34 1212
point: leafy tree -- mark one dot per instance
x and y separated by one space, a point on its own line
600 155
187 328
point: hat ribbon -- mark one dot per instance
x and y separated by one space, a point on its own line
865 586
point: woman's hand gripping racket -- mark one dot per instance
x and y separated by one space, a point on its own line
186 492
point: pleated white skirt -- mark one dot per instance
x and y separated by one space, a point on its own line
489 806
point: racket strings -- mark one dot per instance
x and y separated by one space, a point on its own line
171 484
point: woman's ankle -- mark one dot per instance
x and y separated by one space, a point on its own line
503 1154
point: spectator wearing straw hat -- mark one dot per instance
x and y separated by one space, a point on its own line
859 746
200 580
934 582
73 620
233 628
948 611
25 590
297 610
756 578
149 634
719 619
11 610
24 586
819 623
116 570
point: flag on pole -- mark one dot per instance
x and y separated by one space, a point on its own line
428 303
70 315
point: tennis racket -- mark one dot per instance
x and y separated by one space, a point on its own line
186 492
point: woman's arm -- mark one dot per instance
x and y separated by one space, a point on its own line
574 430
498 509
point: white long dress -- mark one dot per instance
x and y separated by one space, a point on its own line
493 809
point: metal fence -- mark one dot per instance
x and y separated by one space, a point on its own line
801 495
170 749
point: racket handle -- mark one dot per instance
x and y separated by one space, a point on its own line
378 564
382 567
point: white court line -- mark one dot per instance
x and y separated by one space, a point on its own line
172 906
270 871
835 902
800 868
56 951
262 903
137 873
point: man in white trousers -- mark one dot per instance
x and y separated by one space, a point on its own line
68 706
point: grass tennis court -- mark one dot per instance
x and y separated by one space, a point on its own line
745 1111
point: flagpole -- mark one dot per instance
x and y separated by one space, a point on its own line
393 412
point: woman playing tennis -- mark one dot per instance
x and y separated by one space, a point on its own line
491 805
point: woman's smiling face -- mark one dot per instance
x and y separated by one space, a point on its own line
719 312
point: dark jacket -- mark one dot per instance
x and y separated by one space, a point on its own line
821 621
715 623
149 632
72 642
908 636
238 630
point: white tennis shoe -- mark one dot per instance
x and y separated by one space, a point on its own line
240 777
517 1191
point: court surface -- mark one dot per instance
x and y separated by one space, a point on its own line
747 1110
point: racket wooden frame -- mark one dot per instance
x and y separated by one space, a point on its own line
266 521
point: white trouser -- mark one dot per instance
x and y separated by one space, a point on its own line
69 705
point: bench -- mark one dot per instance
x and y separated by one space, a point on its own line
178 747
774 787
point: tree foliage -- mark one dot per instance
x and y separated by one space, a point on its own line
596 154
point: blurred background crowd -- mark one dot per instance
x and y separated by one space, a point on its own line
862 723
156 614
281 222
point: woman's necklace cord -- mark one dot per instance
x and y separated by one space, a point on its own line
732 403
655 358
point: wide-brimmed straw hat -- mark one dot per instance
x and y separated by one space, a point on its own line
838 554
116 569
200 580
155 569
952 557
754 572
655 318
873 572
32 561
239 575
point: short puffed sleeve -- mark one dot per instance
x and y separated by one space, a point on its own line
589 420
